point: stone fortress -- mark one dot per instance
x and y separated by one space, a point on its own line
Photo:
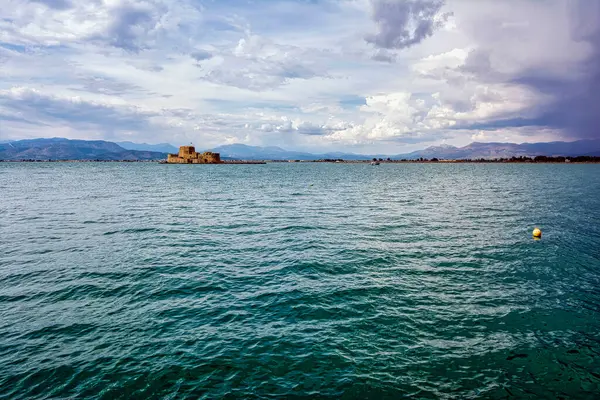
188 155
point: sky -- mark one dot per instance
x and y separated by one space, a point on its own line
384 76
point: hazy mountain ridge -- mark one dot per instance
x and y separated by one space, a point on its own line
478 150
474 150
242 151
160 147
67 149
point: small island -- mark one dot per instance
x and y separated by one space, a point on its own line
188 155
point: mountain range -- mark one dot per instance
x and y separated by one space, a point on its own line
161 147
244 152
474 150
478 150
67 149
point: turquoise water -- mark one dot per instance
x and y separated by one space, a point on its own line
299 280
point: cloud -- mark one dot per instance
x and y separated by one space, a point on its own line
404 23
425 117
84 118
105 86
258 64
384 56
299 126
24 110
45 109
55 4
129 26
553 60
480 136
576 96
201 55
301 74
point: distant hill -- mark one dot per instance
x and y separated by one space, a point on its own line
66 149
474 150
161 147
478 150
244 152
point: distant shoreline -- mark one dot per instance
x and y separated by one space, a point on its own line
67 150
254 162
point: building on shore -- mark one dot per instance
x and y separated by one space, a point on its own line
188 155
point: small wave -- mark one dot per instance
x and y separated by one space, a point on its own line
132 231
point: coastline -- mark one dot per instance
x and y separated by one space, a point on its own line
341 161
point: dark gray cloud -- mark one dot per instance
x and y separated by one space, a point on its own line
403 23
129 26
575 107
7 117
569 90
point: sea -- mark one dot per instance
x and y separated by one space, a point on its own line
299 280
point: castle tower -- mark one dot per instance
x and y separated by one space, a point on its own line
187 152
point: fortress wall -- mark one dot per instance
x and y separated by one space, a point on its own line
173 158
211 158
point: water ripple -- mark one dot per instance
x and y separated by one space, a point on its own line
299 281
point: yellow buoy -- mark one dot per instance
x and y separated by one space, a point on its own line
537 233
